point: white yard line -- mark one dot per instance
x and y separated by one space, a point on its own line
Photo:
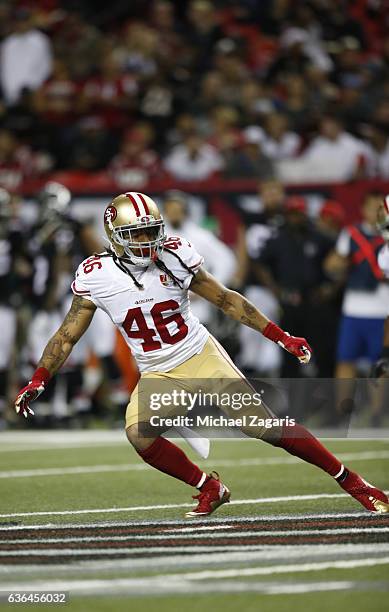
246 533
197 528
239 502
201 536
194 525
155 588
202 556
139 467
184 579
308 587
18 448
85 469
144 586
281 569
59 436
63 439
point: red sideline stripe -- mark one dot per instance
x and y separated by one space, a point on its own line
134 203
144 203
74 288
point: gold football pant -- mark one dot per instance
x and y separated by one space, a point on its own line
213 371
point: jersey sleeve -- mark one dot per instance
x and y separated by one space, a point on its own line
80 285
184 260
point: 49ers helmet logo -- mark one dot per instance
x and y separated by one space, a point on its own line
110 214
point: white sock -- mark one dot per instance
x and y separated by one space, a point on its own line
339 473
201 481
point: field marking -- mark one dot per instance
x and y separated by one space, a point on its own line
64 439
74 436
237 502
282 569
190 556
69 445
87 469
80 436
138 467
214 520
185 579
308 587
200 536
198 528
260 500
153 587
202 552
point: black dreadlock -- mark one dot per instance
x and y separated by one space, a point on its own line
162 266
120 262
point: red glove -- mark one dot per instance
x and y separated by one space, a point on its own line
29 393
298 347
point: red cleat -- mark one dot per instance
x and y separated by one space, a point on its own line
212 495
371 498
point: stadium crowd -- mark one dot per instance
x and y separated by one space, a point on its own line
277 91
295 90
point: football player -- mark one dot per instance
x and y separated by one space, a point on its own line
381 367
15 271
142 282
59 243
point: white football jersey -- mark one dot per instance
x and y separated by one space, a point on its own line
156 321
383 260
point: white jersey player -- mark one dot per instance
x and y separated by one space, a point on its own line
383 226
150 309
381 367
142 283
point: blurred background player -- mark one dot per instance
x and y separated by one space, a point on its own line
219 258
327 298
59 243
290 265
365 304
381 367
261 220
15 271
366 297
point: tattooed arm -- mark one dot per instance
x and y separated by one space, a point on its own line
56 352
73 327
230 302
237 307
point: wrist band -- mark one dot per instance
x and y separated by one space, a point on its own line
273 332
41 375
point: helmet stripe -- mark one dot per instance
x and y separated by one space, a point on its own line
147 212
386 203
131 197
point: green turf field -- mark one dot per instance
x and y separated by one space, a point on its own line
79 512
